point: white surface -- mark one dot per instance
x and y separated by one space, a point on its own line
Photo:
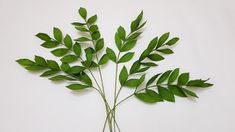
29 103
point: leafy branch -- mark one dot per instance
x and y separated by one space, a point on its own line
80 56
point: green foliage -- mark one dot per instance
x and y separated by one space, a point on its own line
79 57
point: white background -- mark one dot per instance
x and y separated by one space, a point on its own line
29 103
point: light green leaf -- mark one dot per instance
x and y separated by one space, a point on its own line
111 54
25 62
76 69
50 44
92 19
144 54
35 68
95 35
93 28
132 83
82 29
65 67
127 57
68 41
82 39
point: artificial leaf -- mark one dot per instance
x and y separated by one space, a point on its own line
135 67
141 80
93 28
144 54
198 83
82 29
60 78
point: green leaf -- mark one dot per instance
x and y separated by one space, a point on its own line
166 94
199 83
99 45
153 43
123 76
136 22
144 54
49 73
127 57
78 24
191 93
65 67
134 36
155 57
82 12
166 51
43 36
82 39
34 68
149 97
69 58
57 34
133 83
118 41
183 79
143 69
172 41
60 78
128 46
150 64
50 44
152 79
141 80
104 59
93 28
25 62
40 60
77 86
164 77
121 33
60 52
77 49
135 67
68 41
111 54
76 69
92 19
53 65
163 39
173 76
82 29
177 90
95 35
89 52
86 79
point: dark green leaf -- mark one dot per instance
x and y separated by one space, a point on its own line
60 78
135 67
172 41
57 34
141 80
136 22
150 64
77 49
166 94
53 65
49 73
131 83
78 24
89 55
82 12
128 46
95 35
104 59
164 77
118 41
173 76
191 93
43 36
143 69
155 57
82 29
65 67
93 28
163 39
153 43
86 79
127 57
69 58
121 33
25 62
198 83
144 54
68 41
166 51
111 54
50 44
40 60
82 39
60 52
134 36
183 79
99 44
92 19
149 97
77 86
152 79
123 76
177 90
34 68
76 69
